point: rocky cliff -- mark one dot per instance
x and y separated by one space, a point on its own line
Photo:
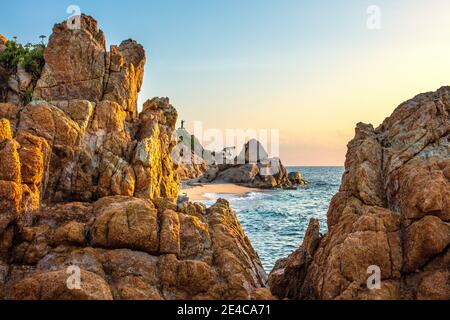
392 212
94 143
87 181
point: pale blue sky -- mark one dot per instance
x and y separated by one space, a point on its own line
309 68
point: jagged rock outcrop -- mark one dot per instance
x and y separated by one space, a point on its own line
78 67
124 75
392 211
87 182
155 172
93 151
190 156
251 168
85 108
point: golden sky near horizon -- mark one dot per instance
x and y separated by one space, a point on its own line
316 94
317 120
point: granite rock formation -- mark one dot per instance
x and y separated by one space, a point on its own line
130 248
87 187
296 178
78 67
251 168
86 111
190 156
392 212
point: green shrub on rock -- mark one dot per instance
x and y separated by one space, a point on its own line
30 57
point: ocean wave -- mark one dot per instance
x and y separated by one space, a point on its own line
231 197
276 221
249 196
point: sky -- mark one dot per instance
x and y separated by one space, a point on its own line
310 69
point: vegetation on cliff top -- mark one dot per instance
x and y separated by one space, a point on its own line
29 56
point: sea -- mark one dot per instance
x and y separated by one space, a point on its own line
276 221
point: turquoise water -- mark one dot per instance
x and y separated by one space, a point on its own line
276 221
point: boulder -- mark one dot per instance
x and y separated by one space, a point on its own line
424 240
53 286
251 168
240 174
169 238
296 178
71 233
125 223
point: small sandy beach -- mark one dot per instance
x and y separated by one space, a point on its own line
198 193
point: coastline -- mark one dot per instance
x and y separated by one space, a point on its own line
200 192
92 207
